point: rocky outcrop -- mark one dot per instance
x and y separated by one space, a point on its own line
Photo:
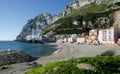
37 23
116 19
80 3
13 56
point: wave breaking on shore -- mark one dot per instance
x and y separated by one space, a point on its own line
58 49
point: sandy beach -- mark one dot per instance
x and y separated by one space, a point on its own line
68 51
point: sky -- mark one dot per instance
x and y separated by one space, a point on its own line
14 14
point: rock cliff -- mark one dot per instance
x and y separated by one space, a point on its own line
39 22
43 20
80 3
116 19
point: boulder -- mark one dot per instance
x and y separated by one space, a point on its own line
13 56
86 66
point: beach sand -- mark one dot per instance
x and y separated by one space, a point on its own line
68 51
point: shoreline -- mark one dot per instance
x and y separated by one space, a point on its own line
68 51
65 51
58 49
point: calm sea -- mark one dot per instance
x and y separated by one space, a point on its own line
33 49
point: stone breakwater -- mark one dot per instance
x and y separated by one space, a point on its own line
13 56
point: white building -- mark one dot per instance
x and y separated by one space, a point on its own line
28 38
35 35
108 35
81 40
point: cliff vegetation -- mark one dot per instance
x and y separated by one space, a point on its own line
88 17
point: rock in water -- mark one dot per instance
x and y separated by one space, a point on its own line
13 56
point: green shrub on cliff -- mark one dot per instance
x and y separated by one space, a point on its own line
100 65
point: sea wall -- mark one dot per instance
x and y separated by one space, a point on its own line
13 56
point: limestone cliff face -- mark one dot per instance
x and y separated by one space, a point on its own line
43 20
39 22
80 3
116 19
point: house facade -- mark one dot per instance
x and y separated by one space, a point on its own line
110 35
35 36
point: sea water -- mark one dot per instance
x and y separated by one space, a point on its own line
33 49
